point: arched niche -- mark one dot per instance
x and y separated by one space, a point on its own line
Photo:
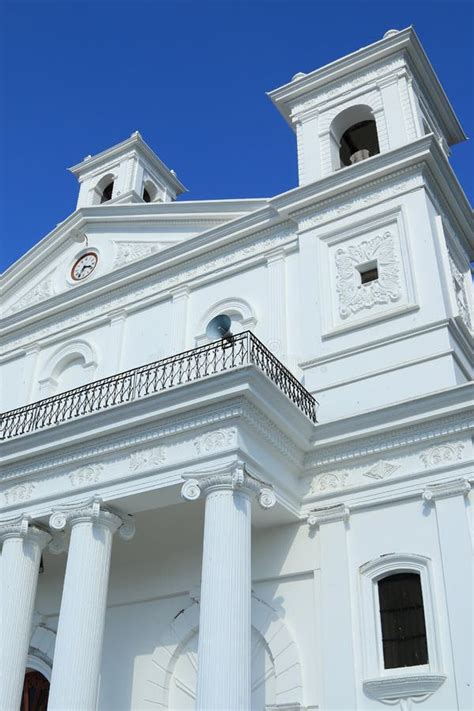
149 191
102 192
240 312
73 364
353 136
275 661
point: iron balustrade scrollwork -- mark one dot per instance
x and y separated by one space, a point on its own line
242 349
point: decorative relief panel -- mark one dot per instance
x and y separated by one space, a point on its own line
20 492
147 458
352 294
126 252
460 290
215 441
442 454
88 474
382 470
329 481
40 292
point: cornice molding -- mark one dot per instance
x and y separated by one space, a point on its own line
230 477
86 454
396 438
446 489
152 288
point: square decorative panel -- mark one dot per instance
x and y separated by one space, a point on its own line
365 274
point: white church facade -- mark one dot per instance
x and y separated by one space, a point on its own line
278 519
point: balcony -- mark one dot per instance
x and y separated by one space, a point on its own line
242 350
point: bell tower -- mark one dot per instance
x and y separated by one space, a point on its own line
369 102
127 172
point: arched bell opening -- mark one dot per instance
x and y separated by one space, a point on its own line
35 692
353 136
358 143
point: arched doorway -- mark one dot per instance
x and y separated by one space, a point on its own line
35 692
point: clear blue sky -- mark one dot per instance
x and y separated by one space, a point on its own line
79 76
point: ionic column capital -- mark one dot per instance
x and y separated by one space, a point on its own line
233 477
22 527
328 514
446 489
92 511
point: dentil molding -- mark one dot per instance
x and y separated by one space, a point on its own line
365 196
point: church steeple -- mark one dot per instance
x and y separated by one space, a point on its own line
128 172
374 100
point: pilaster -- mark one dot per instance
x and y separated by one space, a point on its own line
448 499
277 297
338 690
180 299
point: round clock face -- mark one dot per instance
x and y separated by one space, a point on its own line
84 266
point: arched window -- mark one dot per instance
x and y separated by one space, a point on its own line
107 192
35 692
402 620
150 192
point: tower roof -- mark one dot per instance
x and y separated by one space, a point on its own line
133 145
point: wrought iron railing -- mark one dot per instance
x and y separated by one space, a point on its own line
242 349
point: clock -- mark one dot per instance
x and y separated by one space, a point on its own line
84 266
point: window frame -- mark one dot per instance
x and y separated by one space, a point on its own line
370 574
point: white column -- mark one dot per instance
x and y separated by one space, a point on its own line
21 555
78 650
456 557
224 670
339 690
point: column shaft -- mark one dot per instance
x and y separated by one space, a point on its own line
77 656
19 577
225 618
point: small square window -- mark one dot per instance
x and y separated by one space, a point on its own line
368 272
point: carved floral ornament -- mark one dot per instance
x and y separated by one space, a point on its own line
215 441
232 478
147 458
355 296
442 454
